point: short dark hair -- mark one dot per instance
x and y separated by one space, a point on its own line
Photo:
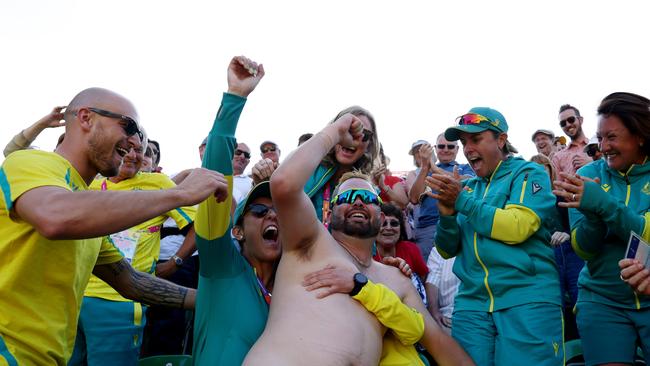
304 137
565 107
154 142
633 110
392 210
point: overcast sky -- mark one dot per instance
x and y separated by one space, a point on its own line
416 65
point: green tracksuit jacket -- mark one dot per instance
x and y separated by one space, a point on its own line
500 236
600 230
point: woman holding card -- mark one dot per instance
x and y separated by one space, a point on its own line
608 200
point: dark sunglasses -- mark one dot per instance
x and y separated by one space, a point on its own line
570 120
131 126
246 154
259 210
367 135
349 196
392 223
267 149
448 146
592 150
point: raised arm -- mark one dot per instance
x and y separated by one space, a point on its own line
25 137
213 218
425 156
297 218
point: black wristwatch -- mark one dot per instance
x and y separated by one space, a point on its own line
360 280
177 260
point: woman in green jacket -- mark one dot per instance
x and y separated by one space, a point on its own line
608 200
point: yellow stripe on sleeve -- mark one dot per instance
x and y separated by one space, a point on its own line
514 224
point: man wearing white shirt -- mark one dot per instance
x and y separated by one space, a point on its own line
441 287
241 183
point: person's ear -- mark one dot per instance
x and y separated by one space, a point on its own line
238 233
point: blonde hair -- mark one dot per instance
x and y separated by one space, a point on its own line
366 162
543 160
350 175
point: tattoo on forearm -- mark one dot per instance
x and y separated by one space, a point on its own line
156 291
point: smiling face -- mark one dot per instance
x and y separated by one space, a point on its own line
543 144
132 162
260 233
572 123
390 231
356 219
347 156
108 143
483 151
619 147
445 154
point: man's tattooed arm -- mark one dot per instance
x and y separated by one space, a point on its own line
143 287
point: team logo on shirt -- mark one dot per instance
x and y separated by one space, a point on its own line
646 188
536 187
606 187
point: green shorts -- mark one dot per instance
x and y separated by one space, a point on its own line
610 334
108 332
529 334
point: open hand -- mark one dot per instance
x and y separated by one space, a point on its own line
571 188
447 188
332 279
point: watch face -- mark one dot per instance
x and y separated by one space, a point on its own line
360 278
178 261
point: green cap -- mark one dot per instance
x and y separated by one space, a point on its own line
263 189
492 120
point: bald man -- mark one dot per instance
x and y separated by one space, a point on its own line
51 229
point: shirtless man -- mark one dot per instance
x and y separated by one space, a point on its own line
336 330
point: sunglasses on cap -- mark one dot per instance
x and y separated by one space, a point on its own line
570 120
392 223
268 149
472 119
130 127
259 210
448 146
367 135
246 154
350 196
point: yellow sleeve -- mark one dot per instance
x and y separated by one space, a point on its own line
514 224
406 323
108 252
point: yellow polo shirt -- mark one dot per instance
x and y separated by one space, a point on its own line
41 280
140 245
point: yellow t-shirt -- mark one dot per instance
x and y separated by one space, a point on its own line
140 245
41 280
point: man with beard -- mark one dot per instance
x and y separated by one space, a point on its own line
302 329
573 157
110 326
51 228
